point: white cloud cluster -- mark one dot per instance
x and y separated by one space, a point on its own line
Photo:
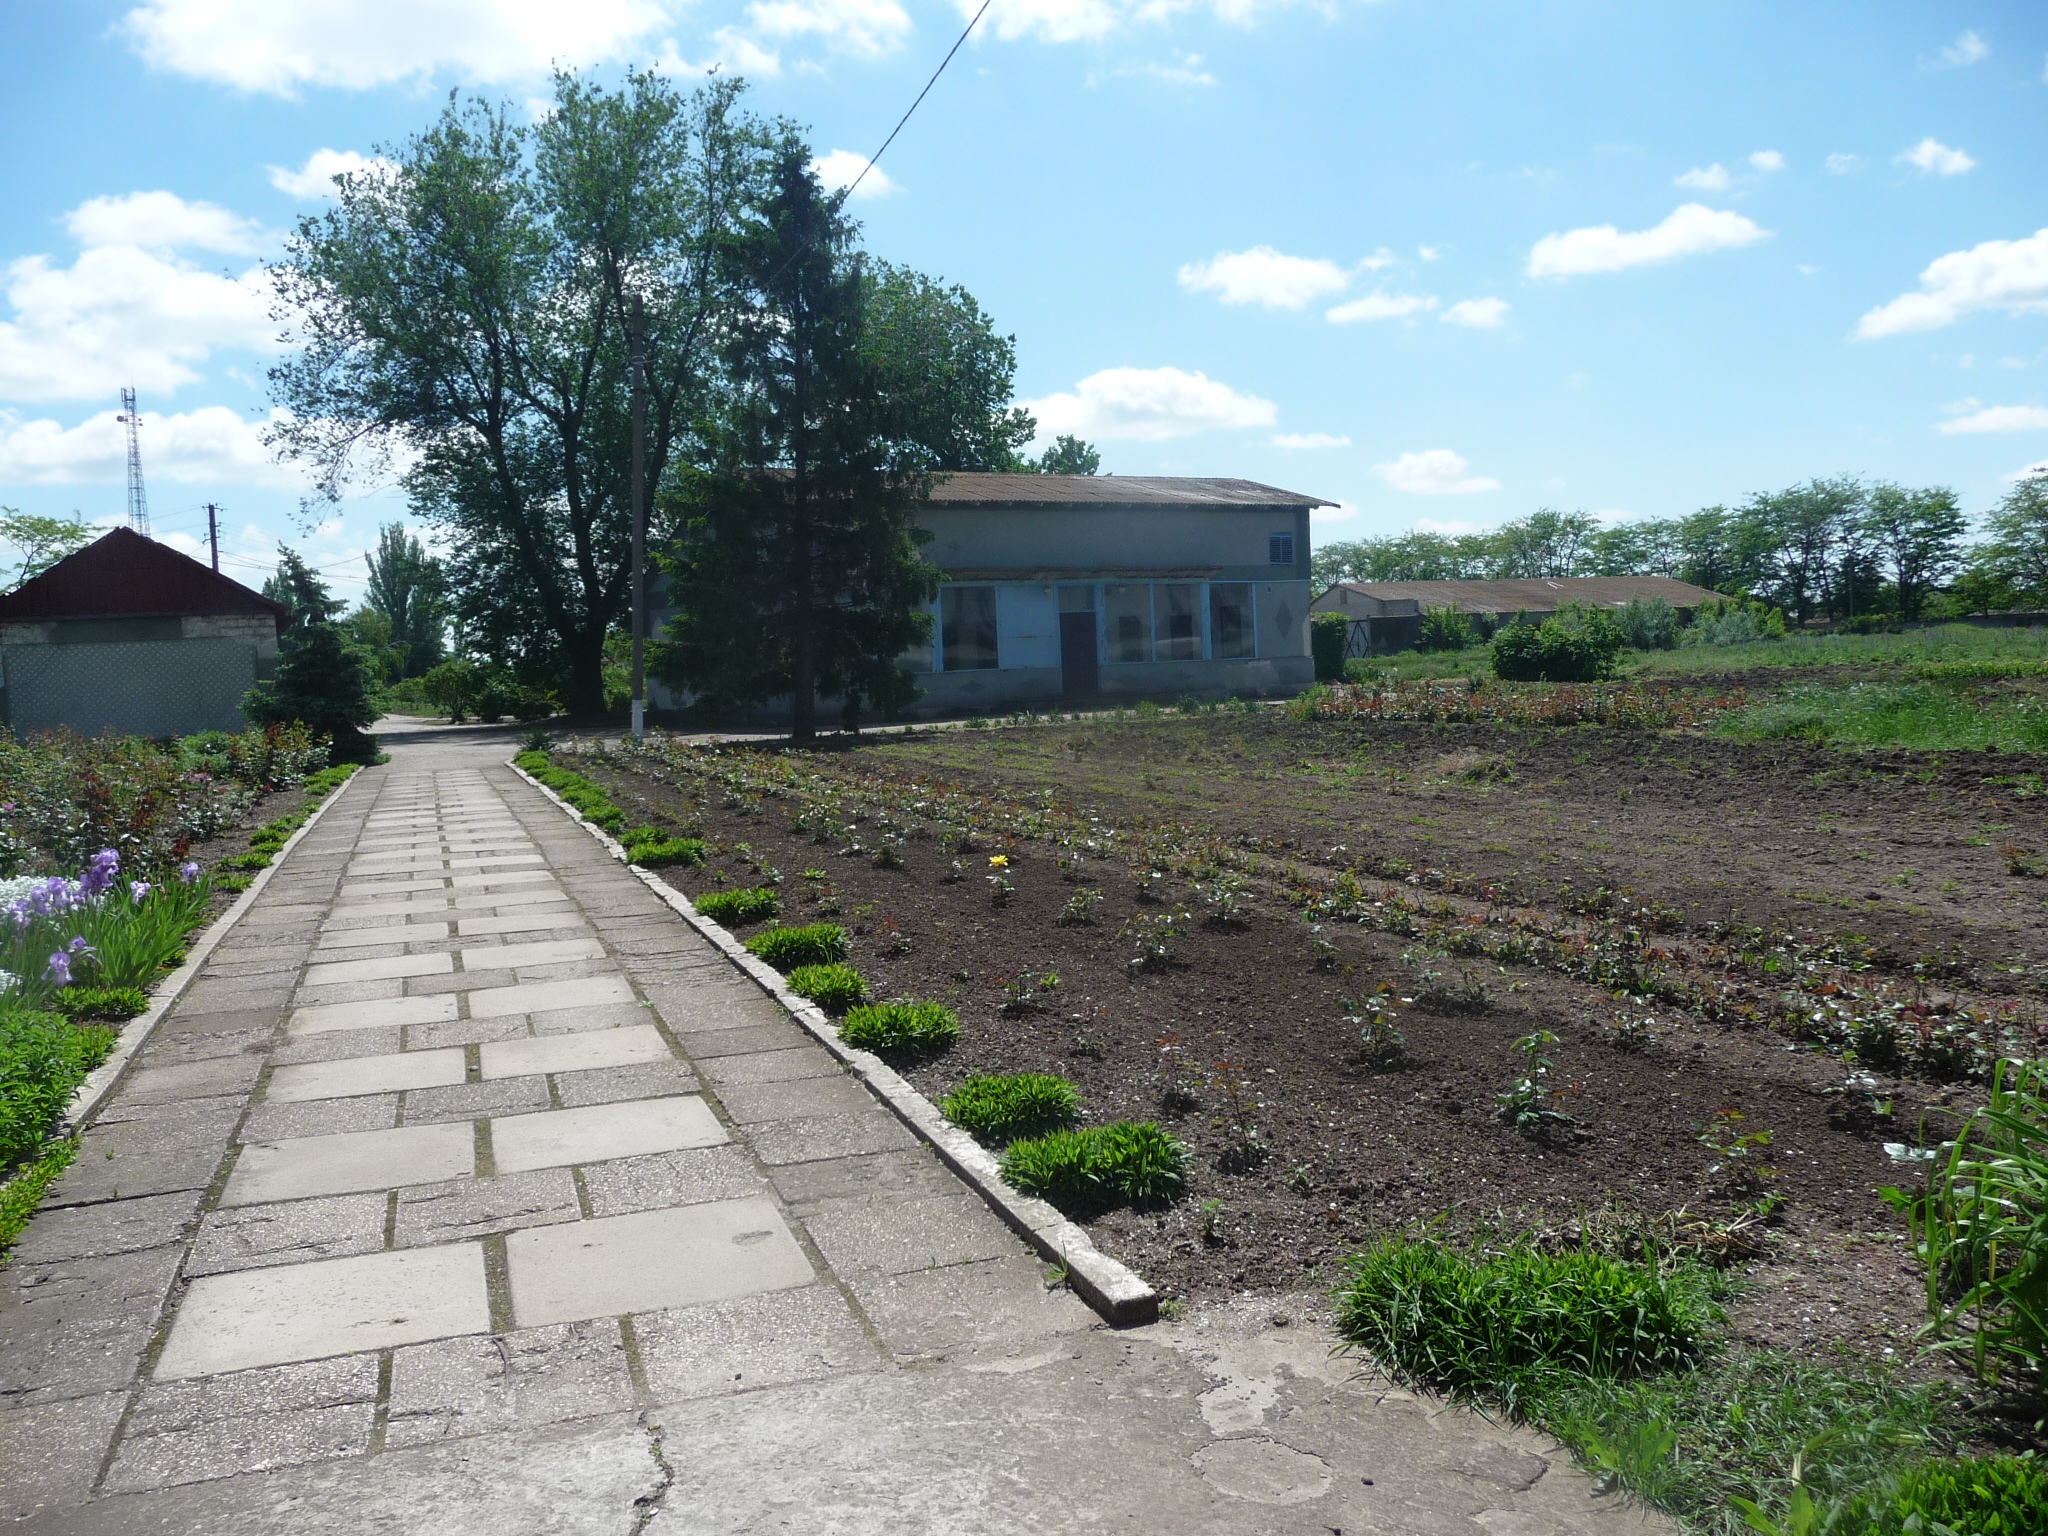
1434 472
1479 314
2008 275
1935 158
842 168
261 45
1264 276
2000 418
1310 440
209 446
1381 306
1967 49
1712 178
865 29
1070 21
162 221
1844 165
315 179
1767 161
1147 405
1690 230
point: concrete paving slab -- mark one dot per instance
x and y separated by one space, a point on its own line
894 1237
182 1021
477 1101
353 1160
79 1326
575 1053
191 1080
934 1314
504 957
335 1307
108 1227
745 1041
371 1015
568 1021
806 1140
336 940
597 1133
337 1045
777 1066
652 1260
377 989
386 968
511 877
520 922
466 1032
133 1169
384 890
246 1421
356 1075
672 1178
766 1340
52 1452
540 996
796 1098
528 1376
320 1117
292 1232
466 1208
613 1085
808 1188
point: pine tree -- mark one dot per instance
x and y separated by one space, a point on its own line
299 587
320 681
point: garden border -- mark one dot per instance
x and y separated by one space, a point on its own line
89 1095
1112 1289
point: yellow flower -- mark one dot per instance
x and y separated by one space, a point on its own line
999 860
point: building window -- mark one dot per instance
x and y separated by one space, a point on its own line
1176 607
1127 619
1280 549
1230 620
967 618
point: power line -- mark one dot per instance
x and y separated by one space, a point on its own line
852 185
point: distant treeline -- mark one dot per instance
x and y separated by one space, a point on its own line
1837 549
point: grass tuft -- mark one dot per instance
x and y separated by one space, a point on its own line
835 987
811 944
661 850
1002 1107
901 1027
108 1004
1087 1172
735 907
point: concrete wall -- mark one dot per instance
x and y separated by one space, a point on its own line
143 677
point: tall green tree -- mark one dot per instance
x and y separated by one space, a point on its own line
1068 455
321 681
299 587
40 541
1918 536
1545 543
946 370
1794 537
799 572
2016 553
469 309
409 588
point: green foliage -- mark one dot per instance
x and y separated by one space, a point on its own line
947 372
1575 645
410 589
810 944
1921 716
299 587
2015 556
40 541
21 1194
1068 455
452 687
901 1027
834 987
655 849
101 1004
1328 633
1649 626
1733 621
42 1058
1099 1168
1445 629
581 795
735 907
1494 1325
1003 1107
1971 1495
322 684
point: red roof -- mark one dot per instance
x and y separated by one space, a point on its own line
126 575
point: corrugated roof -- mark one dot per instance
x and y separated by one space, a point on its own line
986 490
1539 595
125 575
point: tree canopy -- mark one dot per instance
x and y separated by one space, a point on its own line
40 541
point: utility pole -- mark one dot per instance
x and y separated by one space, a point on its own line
638 326
213 534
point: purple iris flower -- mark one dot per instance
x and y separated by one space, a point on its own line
188 871
60 969
137 889
78 946
99 874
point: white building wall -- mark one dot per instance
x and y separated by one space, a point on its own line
1027 627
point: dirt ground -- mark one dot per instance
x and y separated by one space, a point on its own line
1251 1024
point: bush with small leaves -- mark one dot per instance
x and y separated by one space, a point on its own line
1003 1107
735 907
834 988
811 944
1080 909
101 1004
901 1027
1086 1172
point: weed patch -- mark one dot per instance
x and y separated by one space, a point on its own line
733 908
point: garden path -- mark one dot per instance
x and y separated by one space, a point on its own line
469 1190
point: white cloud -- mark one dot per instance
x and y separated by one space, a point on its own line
1713 178
1844 165
209 446
1310 440
732 52
1690 231
1383 258
1182 69
842 166
1263 275
1069 21
1381 306
1767 160
315 179
866 28
2000 418
262 45
2011 275
1936 158
1967 49
2038 467
1148 405
162 221
1433 472
1480 314
1428 252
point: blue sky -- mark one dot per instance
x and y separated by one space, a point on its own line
1441 261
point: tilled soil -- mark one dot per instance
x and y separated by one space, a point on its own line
1247 1026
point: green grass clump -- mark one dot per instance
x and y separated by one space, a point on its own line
811 944
1087 1172
21 1194
999 1108
1972 1495
901 1027
42 1058
660 849
112 1004
834 988
1921 716
735 907
1492 1325
580 794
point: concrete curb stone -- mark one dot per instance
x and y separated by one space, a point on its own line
1112 1289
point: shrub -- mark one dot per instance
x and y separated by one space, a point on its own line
1734 621
1328 634
734 907
834 988
1977 1495
1444 629
658 851
1494 1325
578 793
111 1004
901 1027
1089 1171
1575 645
811 944
1649 626
42 1059
1003 1107
452 687
321 683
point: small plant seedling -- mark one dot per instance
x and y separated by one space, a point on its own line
1631 1033
733 908
1151 936
834 988
888 854
1738 1170
1528 1103
1380 1041
1468 995
1079 910
894 941
1021 992
1247 1147
1223 897
1303 1180
1212 1223
2028 866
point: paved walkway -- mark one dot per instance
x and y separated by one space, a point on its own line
469 1190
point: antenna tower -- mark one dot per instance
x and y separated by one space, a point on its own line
138 500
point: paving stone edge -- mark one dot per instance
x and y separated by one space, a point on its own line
87 1098
1112 1289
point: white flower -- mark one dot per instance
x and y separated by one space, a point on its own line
1899 1152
